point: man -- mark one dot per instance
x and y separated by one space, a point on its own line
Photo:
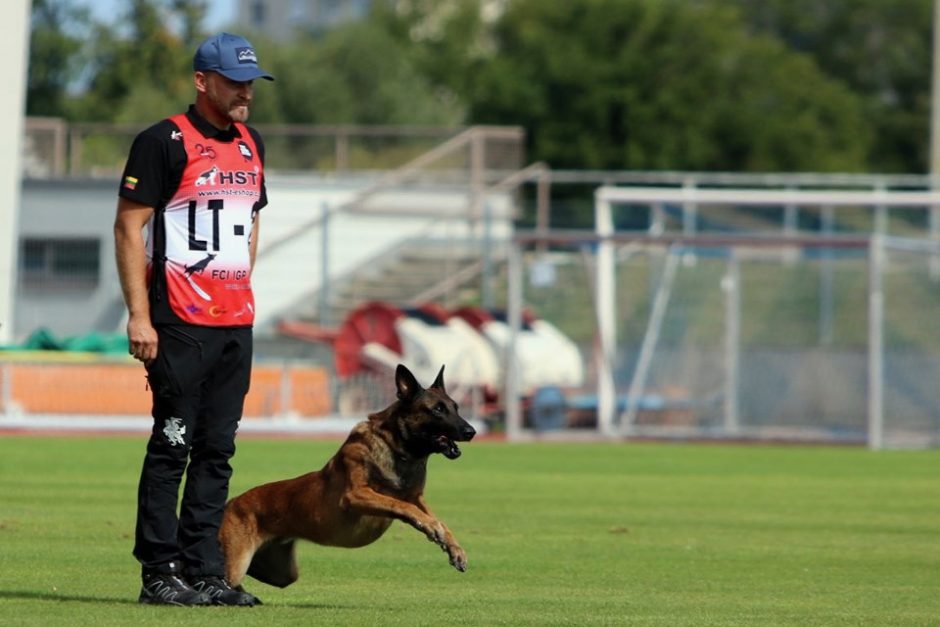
196 181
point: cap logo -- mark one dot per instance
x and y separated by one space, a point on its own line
246 55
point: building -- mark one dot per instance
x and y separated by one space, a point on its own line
279 19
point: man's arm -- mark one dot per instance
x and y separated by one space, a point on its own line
131 256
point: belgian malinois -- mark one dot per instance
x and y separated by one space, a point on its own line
377 476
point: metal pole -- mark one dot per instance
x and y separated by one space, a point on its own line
933 264
826 280
543 205
477 167
876 343
325 317
732 288
934 219
881 212
791 226
513 400
689 219
650 339
486 279
606 316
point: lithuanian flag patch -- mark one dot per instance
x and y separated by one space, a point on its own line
130 182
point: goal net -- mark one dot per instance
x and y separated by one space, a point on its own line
698 314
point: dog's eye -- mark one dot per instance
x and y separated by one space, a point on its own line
440 409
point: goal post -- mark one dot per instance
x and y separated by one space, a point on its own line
769 332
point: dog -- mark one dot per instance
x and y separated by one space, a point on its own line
376 477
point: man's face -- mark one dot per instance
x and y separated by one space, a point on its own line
228 99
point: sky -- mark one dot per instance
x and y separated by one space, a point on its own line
220 14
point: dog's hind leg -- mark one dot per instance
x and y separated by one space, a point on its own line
275 563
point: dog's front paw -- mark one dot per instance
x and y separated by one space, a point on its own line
437 533
458 557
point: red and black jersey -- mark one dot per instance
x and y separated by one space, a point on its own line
204 185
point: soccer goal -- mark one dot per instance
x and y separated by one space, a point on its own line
713 313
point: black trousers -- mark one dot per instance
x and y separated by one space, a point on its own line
199 381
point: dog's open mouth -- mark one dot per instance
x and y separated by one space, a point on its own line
447 447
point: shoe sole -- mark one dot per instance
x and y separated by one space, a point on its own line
243 602
150 601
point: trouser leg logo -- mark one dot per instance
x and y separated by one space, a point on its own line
174 431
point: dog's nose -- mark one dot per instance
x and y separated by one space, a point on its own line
467 433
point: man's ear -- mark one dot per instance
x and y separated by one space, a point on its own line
406 383
439 381
200 79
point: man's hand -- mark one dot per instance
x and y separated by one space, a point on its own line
142 339
129 249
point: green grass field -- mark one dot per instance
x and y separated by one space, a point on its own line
556 534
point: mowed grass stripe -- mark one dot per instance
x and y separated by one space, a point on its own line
576 534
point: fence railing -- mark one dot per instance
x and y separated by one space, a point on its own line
56 148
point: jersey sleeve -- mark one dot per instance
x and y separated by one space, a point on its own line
148 170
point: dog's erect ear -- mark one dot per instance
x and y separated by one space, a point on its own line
406 383
439 381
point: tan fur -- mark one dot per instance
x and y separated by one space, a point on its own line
377 476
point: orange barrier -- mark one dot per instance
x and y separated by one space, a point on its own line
121 389
299 391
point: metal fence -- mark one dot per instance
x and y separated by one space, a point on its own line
698 333
56 148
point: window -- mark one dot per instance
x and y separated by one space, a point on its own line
59 263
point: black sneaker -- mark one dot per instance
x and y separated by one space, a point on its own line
170 589
220 593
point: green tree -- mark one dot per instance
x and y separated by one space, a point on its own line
357 73
55 55
881 50
142 70
444 39
661 84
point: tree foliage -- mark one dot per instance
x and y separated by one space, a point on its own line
880 50
662 84
749 85
357 73
54 55
144 70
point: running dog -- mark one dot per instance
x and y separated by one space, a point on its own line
377 476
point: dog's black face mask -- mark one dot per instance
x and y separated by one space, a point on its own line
432 418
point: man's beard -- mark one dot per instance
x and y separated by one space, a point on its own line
239 114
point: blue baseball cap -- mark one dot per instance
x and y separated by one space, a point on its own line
231 56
